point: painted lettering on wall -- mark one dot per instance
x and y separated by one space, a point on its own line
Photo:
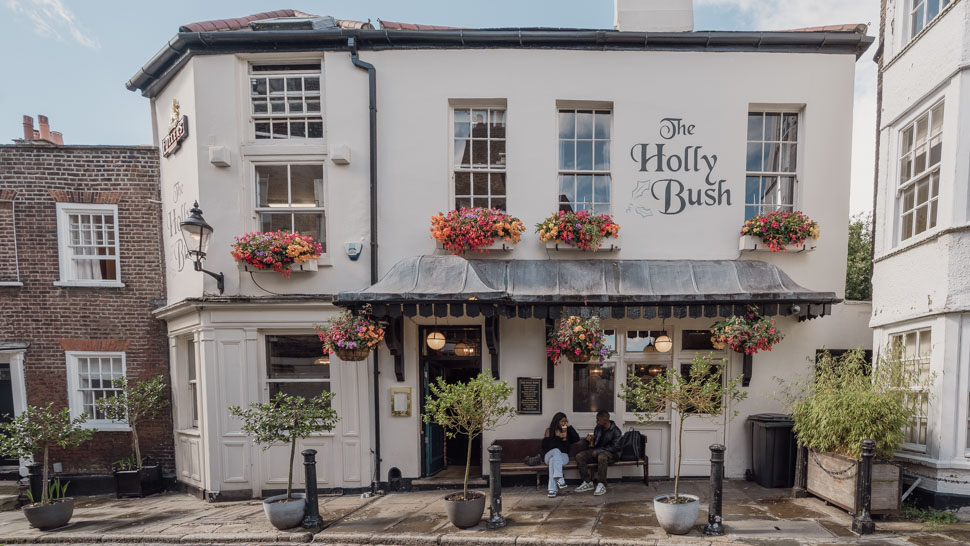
173 217
679 170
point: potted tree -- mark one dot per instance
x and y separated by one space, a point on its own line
701 391
844 402
470 409
36 430
134 405
285 420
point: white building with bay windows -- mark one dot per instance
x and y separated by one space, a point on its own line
921 284
678 135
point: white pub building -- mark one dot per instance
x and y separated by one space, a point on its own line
358 136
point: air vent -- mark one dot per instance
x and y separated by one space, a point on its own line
295 23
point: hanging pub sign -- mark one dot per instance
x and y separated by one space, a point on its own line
178 130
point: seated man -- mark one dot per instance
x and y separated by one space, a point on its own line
604 445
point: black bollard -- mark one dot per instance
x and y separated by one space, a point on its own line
312 520
862 520
495 518
801 468
714 526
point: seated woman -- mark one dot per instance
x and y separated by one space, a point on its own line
555 450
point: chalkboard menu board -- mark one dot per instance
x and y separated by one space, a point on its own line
530 395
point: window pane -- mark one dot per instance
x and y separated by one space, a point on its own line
601 189
697 340
480 184
314 129
257 86
465 202
756 126
271 185
752 190
584 189
275 222
463 153
498 203
601 155
567 155
592 388
497 124
276 85
907 226
922 191
567 188
907 140
937 119
260 106
280 129
311 224
919 159
479 153
567 124
906 168
190 359
306 390
908 199
497 183
479 123
496 153
297 129
584 155
262 130
584 124
936 149
463 183
789 127
922 215
306 185
311 84
602 129
294 357
313 105
755 154
932 9
462 123
773 126
772 157
788 153
787 190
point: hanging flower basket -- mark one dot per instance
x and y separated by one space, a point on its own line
475 230
579 340
351 336
581 229
782 230
279 251
746 334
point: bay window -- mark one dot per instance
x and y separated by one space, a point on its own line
921 148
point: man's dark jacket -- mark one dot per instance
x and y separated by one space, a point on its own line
607 439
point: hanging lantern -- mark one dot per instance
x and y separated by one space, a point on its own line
436 340
462 349
664 343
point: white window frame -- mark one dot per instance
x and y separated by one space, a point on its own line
268 381
798 143
192 368
286 116
925 391
75 400
930 172
65 255
919 7
324 197
633 358
474 170
613 363
595 108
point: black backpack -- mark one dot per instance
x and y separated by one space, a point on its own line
630 446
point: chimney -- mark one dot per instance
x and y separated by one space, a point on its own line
45 128
57 138
28 128
653 15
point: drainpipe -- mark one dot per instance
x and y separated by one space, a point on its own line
372 103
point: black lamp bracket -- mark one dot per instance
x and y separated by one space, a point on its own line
219 277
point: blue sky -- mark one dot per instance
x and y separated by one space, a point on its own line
70 59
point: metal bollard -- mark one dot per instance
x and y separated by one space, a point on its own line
714 526
862 520
801 469
495 518
312 520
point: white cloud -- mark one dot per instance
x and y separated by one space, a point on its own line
789 14
51 18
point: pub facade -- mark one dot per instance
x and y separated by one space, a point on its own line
359 136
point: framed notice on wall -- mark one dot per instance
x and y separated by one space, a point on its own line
529 390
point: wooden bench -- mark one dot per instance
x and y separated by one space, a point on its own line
514 453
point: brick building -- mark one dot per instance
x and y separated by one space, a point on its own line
80 273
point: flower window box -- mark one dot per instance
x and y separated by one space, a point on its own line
309 265
756 244
276 251
476 230
779 231
579 231
561 246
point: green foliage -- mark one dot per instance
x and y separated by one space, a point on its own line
37 429
469 409
847 400
134 405
286 419
55 492
702 392
929 516
127 463
858 273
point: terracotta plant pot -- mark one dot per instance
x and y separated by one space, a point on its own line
285 515
464 514
676 519
353 355
50 516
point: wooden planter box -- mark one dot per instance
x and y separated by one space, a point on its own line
750 242
610 244
500 245
310 265
139 483
841 489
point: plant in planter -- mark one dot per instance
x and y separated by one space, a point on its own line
134 405
781 228
275 250
702 391
468 409
845 401
474 229
284 420
578 339
581 229
746 334
351 336
36 430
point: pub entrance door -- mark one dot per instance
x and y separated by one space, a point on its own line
458 359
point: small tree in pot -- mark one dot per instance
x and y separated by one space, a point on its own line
285 420
37 430
469 409
134 405
703 392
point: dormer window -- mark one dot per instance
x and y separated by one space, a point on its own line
285 101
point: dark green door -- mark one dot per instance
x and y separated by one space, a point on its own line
433 435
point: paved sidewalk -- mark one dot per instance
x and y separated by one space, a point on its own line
622 517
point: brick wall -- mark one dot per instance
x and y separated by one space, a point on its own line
51 318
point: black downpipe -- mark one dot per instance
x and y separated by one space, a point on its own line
372 102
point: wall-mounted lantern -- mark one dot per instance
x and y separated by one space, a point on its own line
196 233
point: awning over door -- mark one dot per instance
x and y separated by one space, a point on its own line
456 286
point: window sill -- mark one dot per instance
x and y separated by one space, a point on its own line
106 427
11 283
189 432
755 244
91 284
498 246
285 147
